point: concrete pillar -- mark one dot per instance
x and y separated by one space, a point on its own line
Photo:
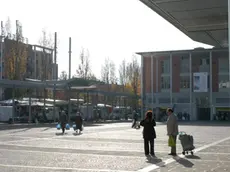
171 79
190 88
229 36
152 74
30 107
142 87
210 86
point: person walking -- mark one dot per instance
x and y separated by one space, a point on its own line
78 122
149 133
63 120
172 129
134 119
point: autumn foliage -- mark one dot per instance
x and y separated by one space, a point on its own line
15 60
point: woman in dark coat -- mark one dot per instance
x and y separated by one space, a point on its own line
149 133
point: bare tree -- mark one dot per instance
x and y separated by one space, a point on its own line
8 27
46 39
105 71
84 69
133 75
112 72
108 72
123 73
63 75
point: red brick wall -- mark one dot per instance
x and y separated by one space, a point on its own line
154 75
159 73
176 74
147 71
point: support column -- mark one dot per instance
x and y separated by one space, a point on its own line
69 102
13 103
210 86
30 107
171 80
152 73
142 87
190 86
87 104
157 78
229 38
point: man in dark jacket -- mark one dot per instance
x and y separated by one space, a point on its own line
149 133
79 122
63 120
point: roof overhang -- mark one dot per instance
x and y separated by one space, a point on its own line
204 21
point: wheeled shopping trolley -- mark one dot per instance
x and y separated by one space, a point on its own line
186 143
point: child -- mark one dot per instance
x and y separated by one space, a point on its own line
149 133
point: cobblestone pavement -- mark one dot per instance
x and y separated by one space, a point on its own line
110 147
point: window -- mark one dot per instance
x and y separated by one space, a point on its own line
204 61
165 66
165 82
184 66
223 65
184 82
222 100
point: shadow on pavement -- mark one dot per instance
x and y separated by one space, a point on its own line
48 128
206 123
192 157
60 134
50 125
19 131
186 163
77 134
155 160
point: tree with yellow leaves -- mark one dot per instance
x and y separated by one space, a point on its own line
133 79
15 60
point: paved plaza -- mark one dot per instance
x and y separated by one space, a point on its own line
110 147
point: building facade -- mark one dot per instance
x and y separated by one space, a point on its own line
37 63
169 79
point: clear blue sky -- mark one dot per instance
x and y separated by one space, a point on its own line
107 28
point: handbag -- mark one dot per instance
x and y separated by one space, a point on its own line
67 127
74 127
171 142
58 126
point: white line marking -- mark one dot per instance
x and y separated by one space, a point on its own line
170 160
64 169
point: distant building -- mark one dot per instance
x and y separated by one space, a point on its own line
39 63
193 81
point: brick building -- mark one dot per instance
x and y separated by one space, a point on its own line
168 80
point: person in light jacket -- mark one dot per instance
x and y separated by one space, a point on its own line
172 128
149 133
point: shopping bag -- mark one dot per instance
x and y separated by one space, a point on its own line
58 126
67 127
74 127
82 127
171 142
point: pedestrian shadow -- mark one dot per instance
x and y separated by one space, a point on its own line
186 163
47 128
19 131
155 160
77 134
192 157
60 134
